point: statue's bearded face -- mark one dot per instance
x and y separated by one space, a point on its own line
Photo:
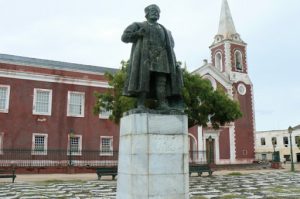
153 14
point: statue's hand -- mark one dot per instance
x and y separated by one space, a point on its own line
141 32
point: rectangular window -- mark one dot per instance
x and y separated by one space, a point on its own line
274 141
287 157
4 98
75 144
42 101
262 141
1 143
104 114
285 141
75 104
297 141
39 144
106 145
264 156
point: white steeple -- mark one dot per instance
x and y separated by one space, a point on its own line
226 25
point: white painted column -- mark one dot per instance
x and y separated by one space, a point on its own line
232 144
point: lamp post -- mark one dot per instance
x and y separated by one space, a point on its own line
290 130
210 149
71 135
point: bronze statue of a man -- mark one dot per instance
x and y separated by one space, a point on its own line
152 71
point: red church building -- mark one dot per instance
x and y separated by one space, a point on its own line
233 143
46 109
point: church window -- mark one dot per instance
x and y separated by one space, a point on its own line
218 61
238 60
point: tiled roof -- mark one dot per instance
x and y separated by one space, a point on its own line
58 65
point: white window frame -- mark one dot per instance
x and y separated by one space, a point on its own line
1 142
78 153
34 152
241 60
34 111
219 61
6 108
104 114
82 107
109 153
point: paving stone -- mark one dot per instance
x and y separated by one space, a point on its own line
253 186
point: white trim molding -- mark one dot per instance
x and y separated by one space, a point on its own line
52 78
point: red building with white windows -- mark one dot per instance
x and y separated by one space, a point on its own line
46 108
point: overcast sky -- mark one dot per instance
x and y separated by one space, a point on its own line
89 31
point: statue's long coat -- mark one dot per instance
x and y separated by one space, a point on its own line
138 71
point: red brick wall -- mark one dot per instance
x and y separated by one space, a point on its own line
244 129
224 144
19 124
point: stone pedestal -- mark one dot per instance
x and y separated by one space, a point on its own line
153 157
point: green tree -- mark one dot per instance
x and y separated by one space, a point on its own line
203 105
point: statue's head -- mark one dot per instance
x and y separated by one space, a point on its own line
152 12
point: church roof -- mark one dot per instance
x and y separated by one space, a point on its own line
57 65
208 68
226 25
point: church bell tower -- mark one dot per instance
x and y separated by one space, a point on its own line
228 50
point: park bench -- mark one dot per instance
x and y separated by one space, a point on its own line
107 171
8 173
200 168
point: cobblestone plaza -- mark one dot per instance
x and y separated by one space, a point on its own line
277 184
